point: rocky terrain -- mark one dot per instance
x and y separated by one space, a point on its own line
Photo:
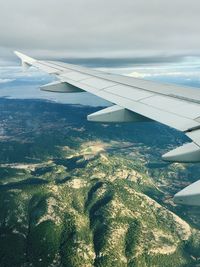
75 193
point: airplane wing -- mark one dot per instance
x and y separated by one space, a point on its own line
134 100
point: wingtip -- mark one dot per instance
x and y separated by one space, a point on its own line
24 58
17 53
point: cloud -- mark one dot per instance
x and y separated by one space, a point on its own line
100 29
168 74
6 80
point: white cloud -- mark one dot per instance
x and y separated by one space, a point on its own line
6 80
186 73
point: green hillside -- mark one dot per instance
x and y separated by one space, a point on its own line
74 193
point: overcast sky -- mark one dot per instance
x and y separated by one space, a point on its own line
104 28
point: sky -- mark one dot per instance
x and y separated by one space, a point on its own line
158 40
145 31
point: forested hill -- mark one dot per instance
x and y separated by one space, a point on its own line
77 194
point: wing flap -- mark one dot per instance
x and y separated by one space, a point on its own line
176 106
98 83
75 76
129 92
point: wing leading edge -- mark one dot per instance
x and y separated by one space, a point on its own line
134 99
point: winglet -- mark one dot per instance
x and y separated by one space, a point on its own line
26 61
